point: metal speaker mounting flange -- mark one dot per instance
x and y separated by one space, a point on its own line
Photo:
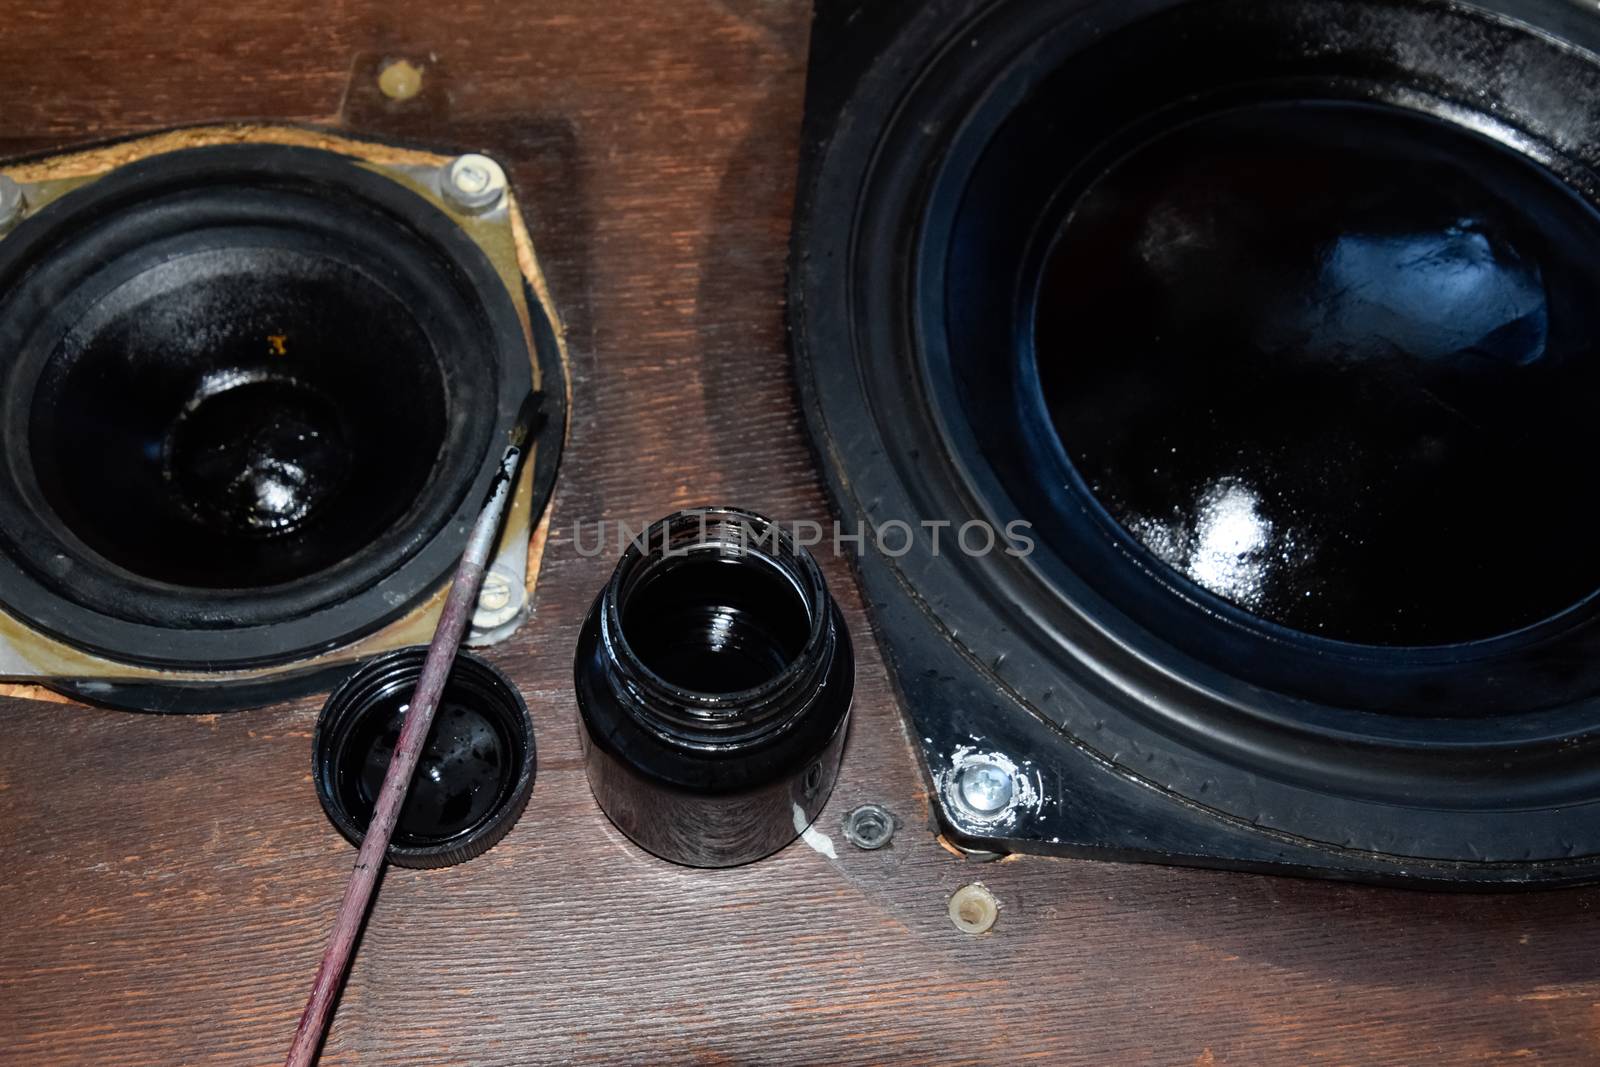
1272 326
254 383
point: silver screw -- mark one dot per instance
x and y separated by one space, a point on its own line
473 183
983 789
13 205
499 599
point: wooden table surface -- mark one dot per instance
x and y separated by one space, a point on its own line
166 883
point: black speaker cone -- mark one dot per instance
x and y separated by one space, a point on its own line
249 395
1333 363
1285 351
238 418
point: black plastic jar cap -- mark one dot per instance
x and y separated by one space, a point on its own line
474 776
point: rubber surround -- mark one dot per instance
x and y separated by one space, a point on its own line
1516 781
268 195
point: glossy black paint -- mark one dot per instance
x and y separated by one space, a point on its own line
1336 363
236 418
717 625
460 776
473 778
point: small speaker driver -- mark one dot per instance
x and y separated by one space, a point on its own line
249 397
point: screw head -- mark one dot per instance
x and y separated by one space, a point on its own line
13 205
499 599
473 183
496 593
983 789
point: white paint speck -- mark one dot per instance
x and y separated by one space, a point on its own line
808 832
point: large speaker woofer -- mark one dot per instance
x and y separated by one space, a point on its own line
251 397
1275 322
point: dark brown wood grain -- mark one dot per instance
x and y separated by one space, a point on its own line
166 883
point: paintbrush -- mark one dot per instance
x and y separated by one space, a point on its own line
458 609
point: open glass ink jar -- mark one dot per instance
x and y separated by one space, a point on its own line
714 675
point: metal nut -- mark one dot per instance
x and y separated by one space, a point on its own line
870 826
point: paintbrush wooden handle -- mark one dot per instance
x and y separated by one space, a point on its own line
458 609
